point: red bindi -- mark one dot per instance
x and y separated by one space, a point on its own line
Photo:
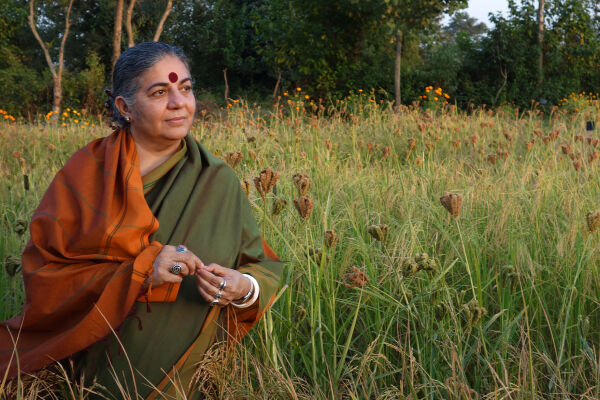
173 77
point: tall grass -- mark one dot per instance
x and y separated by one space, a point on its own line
512 310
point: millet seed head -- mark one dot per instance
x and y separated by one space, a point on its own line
593 220
452 202
304 205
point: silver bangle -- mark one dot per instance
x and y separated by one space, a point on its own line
252 295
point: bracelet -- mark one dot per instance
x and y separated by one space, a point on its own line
254 291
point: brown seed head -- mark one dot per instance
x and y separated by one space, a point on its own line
593 156
411 144
304 206
370 147
234 158
579 138
546 139
473 139
456 144
279 205
386 151
12 265
265 181
537 133
331 238
593 220
20 226
566 148
577 164
356 278
302 183
452 202
252 154
492 158
246 187
530 144
419 160
379 232
508 137
328 144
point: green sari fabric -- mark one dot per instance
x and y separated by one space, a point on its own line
199 203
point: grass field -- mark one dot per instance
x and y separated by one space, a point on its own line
503 305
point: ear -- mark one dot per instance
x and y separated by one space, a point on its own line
122 106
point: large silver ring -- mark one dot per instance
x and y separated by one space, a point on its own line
175 269
222 285
181 249
214 302
217 295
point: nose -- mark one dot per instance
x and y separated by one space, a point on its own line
176 99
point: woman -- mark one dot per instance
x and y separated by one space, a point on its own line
144 214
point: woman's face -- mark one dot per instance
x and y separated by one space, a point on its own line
164 106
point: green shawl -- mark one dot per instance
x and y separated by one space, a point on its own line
198 203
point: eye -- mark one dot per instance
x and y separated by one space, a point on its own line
159 92
187 88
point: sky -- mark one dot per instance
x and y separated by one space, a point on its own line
480 8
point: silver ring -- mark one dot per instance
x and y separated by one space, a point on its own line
175 269
222 285
214 302
217 295
181 249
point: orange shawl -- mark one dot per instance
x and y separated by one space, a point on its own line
87 258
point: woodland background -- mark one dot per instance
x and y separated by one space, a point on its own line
325 47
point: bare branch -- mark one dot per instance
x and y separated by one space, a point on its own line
128 28
159 28
117 31
40 41
61 54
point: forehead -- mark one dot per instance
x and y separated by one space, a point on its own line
161 70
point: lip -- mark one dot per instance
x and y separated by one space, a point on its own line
176 120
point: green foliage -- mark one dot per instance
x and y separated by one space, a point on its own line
85 90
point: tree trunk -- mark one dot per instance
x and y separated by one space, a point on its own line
130 40
540 43
226 86
397 74
56 75
159 28
117 31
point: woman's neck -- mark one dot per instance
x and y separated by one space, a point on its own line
151 154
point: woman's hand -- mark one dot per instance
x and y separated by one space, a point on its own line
209 279
168 257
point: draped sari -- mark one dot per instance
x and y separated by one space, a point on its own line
93 240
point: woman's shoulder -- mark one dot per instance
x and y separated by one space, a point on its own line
216 166
91 154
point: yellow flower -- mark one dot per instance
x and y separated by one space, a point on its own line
299 89
446 96
285 93
76 121
435 98
306 97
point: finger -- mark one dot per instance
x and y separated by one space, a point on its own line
205 295
207 287
209 277
168 277
187 259
216 269
185 269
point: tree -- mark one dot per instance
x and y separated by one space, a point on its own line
410 16
463 22
56 74
540 22
117 31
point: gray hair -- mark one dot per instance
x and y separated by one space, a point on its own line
130 65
